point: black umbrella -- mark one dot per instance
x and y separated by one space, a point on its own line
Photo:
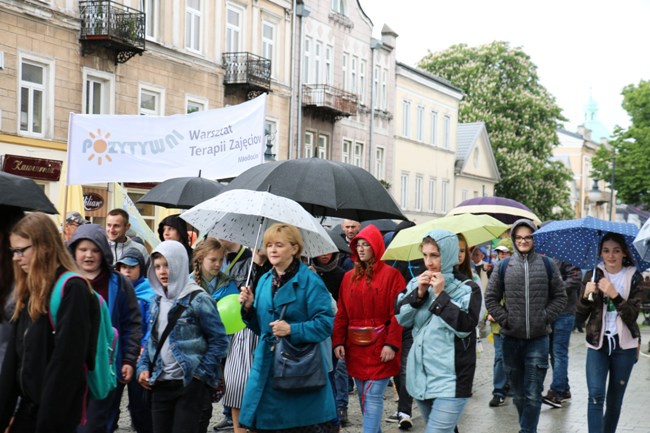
182 192
340 243
24 193
383 225
323 187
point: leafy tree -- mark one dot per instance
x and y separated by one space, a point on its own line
632 147
503 91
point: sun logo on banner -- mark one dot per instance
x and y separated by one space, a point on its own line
100 146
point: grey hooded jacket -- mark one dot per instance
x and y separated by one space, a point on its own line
525 303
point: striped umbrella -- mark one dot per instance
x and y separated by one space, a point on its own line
504 209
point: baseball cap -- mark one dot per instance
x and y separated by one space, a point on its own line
501 248
74 217
128 260
504 245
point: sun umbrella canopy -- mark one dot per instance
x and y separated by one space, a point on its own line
24 193
642 241
577 241
504 209
477 229
241 215
182 192
323 187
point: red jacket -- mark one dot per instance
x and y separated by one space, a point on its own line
361 304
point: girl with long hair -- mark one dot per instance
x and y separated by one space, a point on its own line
44 366
206 269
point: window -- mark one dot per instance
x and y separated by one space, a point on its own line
345 154
307 61
193 25
233 28
147 211
151 16
98 97
357 157
362 82
338 6
192 105
375 86
447 131
404 190
151 101
434 128
346 58
34 88
309 144
432 194
268 44
353 74
406 108
323 150
328 64
418 193
384 98
318 52
476 158
465 195
420 123
271 132
445 196
380 168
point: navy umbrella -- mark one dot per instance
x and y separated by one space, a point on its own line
577 241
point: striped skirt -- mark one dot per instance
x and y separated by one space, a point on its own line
238 366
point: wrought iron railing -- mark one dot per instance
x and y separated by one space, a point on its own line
323 95
247 68
106 19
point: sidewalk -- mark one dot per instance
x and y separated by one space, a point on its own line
480 418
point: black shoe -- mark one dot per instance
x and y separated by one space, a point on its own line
343 416
405 422
224 425
497 401
566 395
552 399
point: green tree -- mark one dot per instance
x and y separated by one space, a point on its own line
503 91
632 147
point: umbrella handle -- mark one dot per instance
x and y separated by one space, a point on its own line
590 298
250 269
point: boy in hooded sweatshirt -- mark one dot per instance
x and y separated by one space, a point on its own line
92 253
182 375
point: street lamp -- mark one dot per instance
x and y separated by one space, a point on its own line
595 195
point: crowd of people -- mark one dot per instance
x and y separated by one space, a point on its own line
414 325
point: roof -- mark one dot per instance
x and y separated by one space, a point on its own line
431 76
467 137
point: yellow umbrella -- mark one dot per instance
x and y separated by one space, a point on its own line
71 197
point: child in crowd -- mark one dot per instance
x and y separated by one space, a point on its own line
208 259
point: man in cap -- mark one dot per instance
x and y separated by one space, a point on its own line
73 220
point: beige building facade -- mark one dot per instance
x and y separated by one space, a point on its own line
476 170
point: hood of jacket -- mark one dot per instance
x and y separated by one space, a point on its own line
97 235
176 222
373 236
178 284
521 222
448 246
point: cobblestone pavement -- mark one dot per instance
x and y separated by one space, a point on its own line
480 418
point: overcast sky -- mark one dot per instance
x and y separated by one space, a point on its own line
577 45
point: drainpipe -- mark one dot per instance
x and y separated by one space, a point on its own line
292 78
302 11
374 45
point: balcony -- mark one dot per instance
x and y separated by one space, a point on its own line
247 72
328 102
112 26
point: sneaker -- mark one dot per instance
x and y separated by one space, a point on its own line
405 422
497 401
566 395
552 399
224 425
393 418
343 416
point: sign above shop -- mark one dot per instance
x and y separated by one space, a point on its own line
33 168
93 201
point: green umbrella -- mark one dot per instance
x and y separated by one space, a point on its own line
477 229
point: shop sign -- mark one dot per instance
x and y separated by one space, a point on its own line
33 168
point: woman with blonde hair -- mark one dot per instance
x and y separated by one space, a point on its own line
44 366
294 291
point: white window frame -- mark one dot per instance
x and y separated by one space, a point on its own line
419 120
346 149
47 101
318 62
329 50
107 82
193 27
406 118
375 83
193 101
447 131
433 128
152 13
418 193
307 59
432 194
323 146
158 93
271 125
380 164
358 157
353 74
404 190
338 6
362 81
444 196
344 70
234 32
384 86
309 144
268 45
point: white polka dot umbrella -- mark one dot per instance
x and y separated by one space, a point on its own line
242 216
642 241
577 241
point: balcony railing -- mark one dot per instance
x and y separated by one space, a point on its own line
105 23
329 100
248 70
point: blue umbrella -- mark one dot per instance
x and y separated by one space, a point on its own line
577 241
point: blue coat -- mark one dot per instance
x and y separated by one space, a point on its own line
309 312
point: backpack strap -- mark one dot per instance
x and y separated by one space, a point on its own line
503 265
57 295
178 311
549 268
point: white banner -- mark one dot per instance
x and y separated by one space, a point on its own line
222 143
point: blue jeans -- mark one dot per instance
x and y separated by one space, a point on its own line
371 398
341 384
526 363
441 414
618 365
559 344
499 378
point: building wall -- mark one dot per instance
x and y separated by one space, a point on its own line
479 175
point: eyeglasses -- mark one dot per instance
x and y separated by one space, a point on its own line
361 246
523 238
20 252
